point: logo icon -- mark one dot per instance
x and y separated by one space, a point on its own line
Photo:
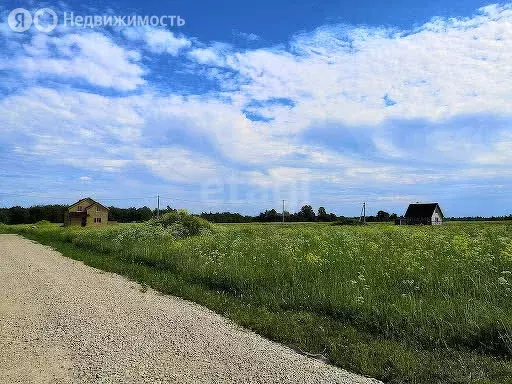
19 20
42 13
45 20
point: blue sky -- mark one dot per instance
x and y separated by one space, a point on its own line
322 102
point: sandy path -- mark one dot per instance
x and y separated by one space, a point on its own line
62 321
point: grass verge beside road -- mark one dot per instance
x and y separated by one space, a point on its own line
422 305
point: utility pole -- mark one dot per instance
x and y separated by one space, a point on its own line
158 206
283 210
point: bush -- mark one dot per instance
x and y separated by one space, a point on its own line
193 225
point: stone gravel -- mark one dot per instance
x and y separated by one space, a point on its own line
64 322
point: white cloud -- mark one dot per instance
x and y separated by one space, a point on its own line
89 56
179 164
336 75
207 56
159 40
95 132
443 69
247 36
497 153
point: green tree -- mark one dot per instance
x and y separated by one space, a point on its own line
4 216
18 215
382 216
307 213
322 215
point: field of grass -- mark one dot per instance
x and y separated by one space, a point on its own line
402 304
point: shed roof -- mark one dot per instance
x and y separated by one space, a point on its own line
422 210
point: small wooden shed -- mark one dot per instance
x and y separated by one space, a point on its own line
424 213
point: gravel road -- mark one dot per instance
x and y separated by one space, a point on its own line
62 321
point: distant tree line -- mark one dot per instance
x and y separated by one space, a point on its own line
128 215
55 214
226 217
305 214
480 218
20 215
132 215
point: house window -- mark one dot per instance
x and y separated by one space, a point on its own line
97 209
80 208
97 220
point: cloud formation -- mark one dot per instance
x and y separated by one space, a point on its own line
339 108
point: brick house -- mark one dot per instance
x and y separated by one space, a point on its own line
86 212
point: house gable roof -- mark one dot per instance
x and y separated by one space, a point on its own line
88 206
96 203
422 210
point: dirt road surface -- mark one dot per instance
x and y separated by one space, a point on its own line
64 322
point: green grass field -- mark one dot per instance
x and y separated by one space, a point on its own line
402 304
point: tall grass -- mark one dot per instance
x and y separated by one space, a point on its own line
427 304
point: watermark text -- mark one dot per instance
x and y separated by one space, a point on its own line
46 20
